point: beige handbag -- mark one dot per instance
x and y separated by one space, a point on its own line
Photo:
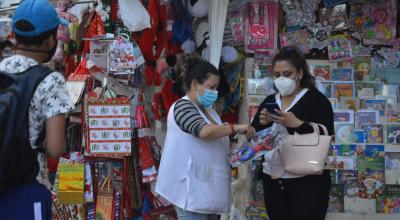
306 154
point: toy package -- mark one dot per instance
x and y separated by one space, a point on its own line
380 22
261 26
236 23
264 141
300 13
298 38
340 48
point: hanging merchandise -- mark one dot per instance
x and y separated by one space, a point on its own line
149 150
299 38
338 18
331 3
96 28
319 36
236 23
198 8
385 57
293 12
340 48
76 86
125 56
104 202
181 28
380 26
308 8
111 9
134 15
151 41
71 182
261 26
108 130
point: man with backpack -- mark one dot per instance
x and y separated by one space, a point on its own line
33 101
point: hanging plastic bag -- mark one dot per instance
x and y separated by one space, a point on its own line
134 15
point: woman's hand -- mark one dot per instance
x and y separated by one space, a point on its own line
287 119
245 129
265 117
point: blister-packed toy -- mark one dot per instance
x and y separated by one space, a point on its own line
264 141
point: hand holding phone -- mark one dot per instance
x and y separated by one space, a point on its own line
271 108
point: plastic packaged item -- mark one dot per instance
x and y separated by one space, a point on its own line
264 141
340 48
320 36
308 8
298 38
381 19
261 26
338 17
293 12
134 15
331 3
236 23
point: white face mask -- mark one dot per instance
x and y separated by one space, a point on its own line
285 86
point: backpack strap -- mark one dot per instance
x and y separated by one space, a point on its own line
31 78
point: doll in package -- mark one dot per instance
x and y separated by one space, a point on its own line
264 141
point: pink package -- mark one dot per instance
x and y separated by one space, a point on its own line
261 26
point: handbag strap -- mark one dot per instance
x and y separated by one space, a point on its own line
316 125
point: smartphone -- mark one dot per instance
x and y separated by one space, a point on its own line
271 108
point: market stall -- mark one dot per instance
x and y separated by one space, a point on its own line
119 58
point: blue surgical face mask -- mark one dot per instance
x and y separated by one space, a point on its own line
208 98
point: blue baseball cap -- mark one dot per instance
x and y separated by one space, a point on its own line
40 13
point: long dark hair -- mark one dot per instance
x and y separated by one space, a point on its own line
296 58
189 68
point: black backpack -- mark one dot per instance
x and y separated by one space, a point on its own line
18 161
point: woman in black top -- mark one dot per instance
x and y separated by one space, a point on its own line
288 196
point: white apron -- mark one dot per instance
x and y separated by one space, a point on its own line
195 173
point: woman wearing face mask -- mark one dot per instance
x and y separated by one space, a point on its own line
288 196
194 173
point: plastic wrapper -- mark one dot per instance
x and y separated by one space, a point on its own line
264 141
320 36
298 38
338 18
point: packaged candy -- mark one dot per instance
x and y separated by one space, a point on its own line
264 141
